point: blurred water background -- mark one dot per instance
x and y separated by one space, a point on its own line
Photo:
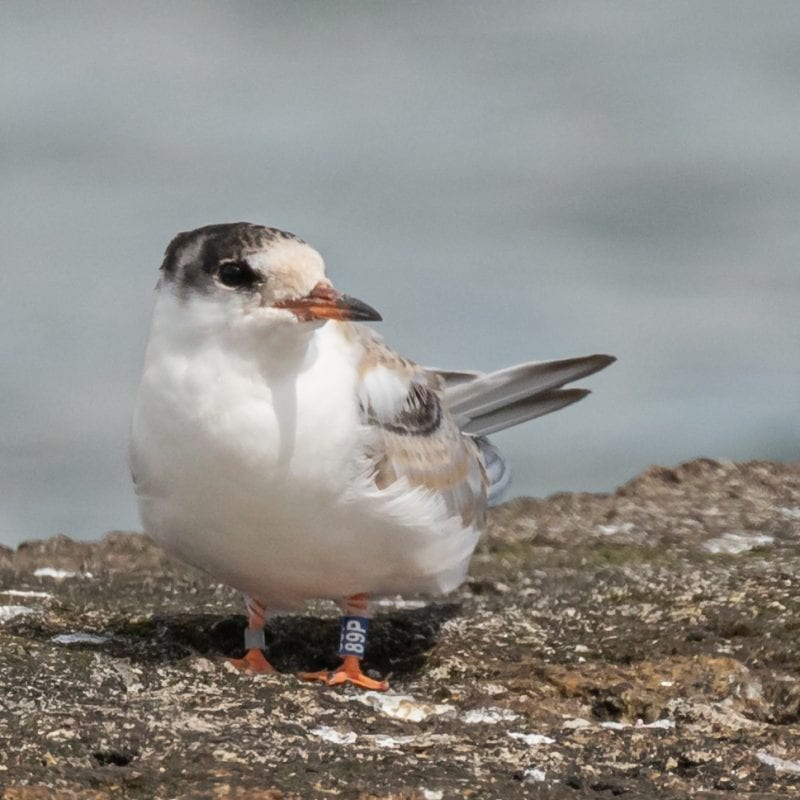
504 181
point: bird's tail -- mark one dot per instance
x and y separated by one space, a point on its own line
483 404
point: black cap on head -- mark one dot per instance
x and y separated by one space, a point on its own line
192 257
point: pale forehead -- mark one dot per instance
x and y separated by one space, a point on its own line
294 267
286 253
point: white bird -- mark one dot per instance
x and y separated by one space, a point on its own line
293 455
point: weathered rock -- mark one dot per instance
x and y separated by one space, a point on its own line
638 644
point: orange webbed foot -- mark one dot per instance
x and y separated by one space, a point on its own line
348 672
253 661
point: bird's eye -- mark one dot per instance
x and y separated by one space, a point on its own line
236 274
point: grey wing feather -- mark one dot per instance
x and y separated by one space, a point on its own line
497 390
522 411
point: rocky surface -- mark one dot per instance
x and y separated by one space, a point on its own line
638 644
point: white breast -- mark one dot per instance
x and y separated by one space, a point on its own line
249 464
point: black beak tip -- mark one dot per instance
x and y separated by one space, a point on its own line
359 311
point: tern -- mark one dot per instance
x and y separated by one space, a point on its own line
278 444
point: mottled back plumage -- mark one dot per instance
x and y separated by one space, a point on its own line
416 438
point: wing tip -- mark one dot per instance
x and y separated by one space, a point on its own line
576 392
598 361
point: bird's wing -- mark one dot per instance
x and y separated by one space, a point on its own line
414 436
521 411
432 423
492 402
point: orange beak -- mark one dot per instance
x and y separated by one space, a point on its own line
324 302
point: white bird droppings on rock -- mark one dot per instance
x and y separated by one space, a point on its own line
735 543
489 716
7 613
388 742
531 739
611 530
662 724
576 724
59 574
403 706
26 593
534 775
80 637
62 734
333 736
778 764
792 513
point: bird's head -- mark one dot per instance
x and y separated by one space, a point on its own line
264 275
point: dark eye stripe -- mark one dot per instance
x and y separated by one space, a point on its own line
236 275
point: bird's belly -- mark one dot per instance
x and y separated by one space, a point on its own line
284 545
325 550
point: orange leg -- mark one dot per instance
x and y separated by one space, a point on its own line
254 659
353 640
